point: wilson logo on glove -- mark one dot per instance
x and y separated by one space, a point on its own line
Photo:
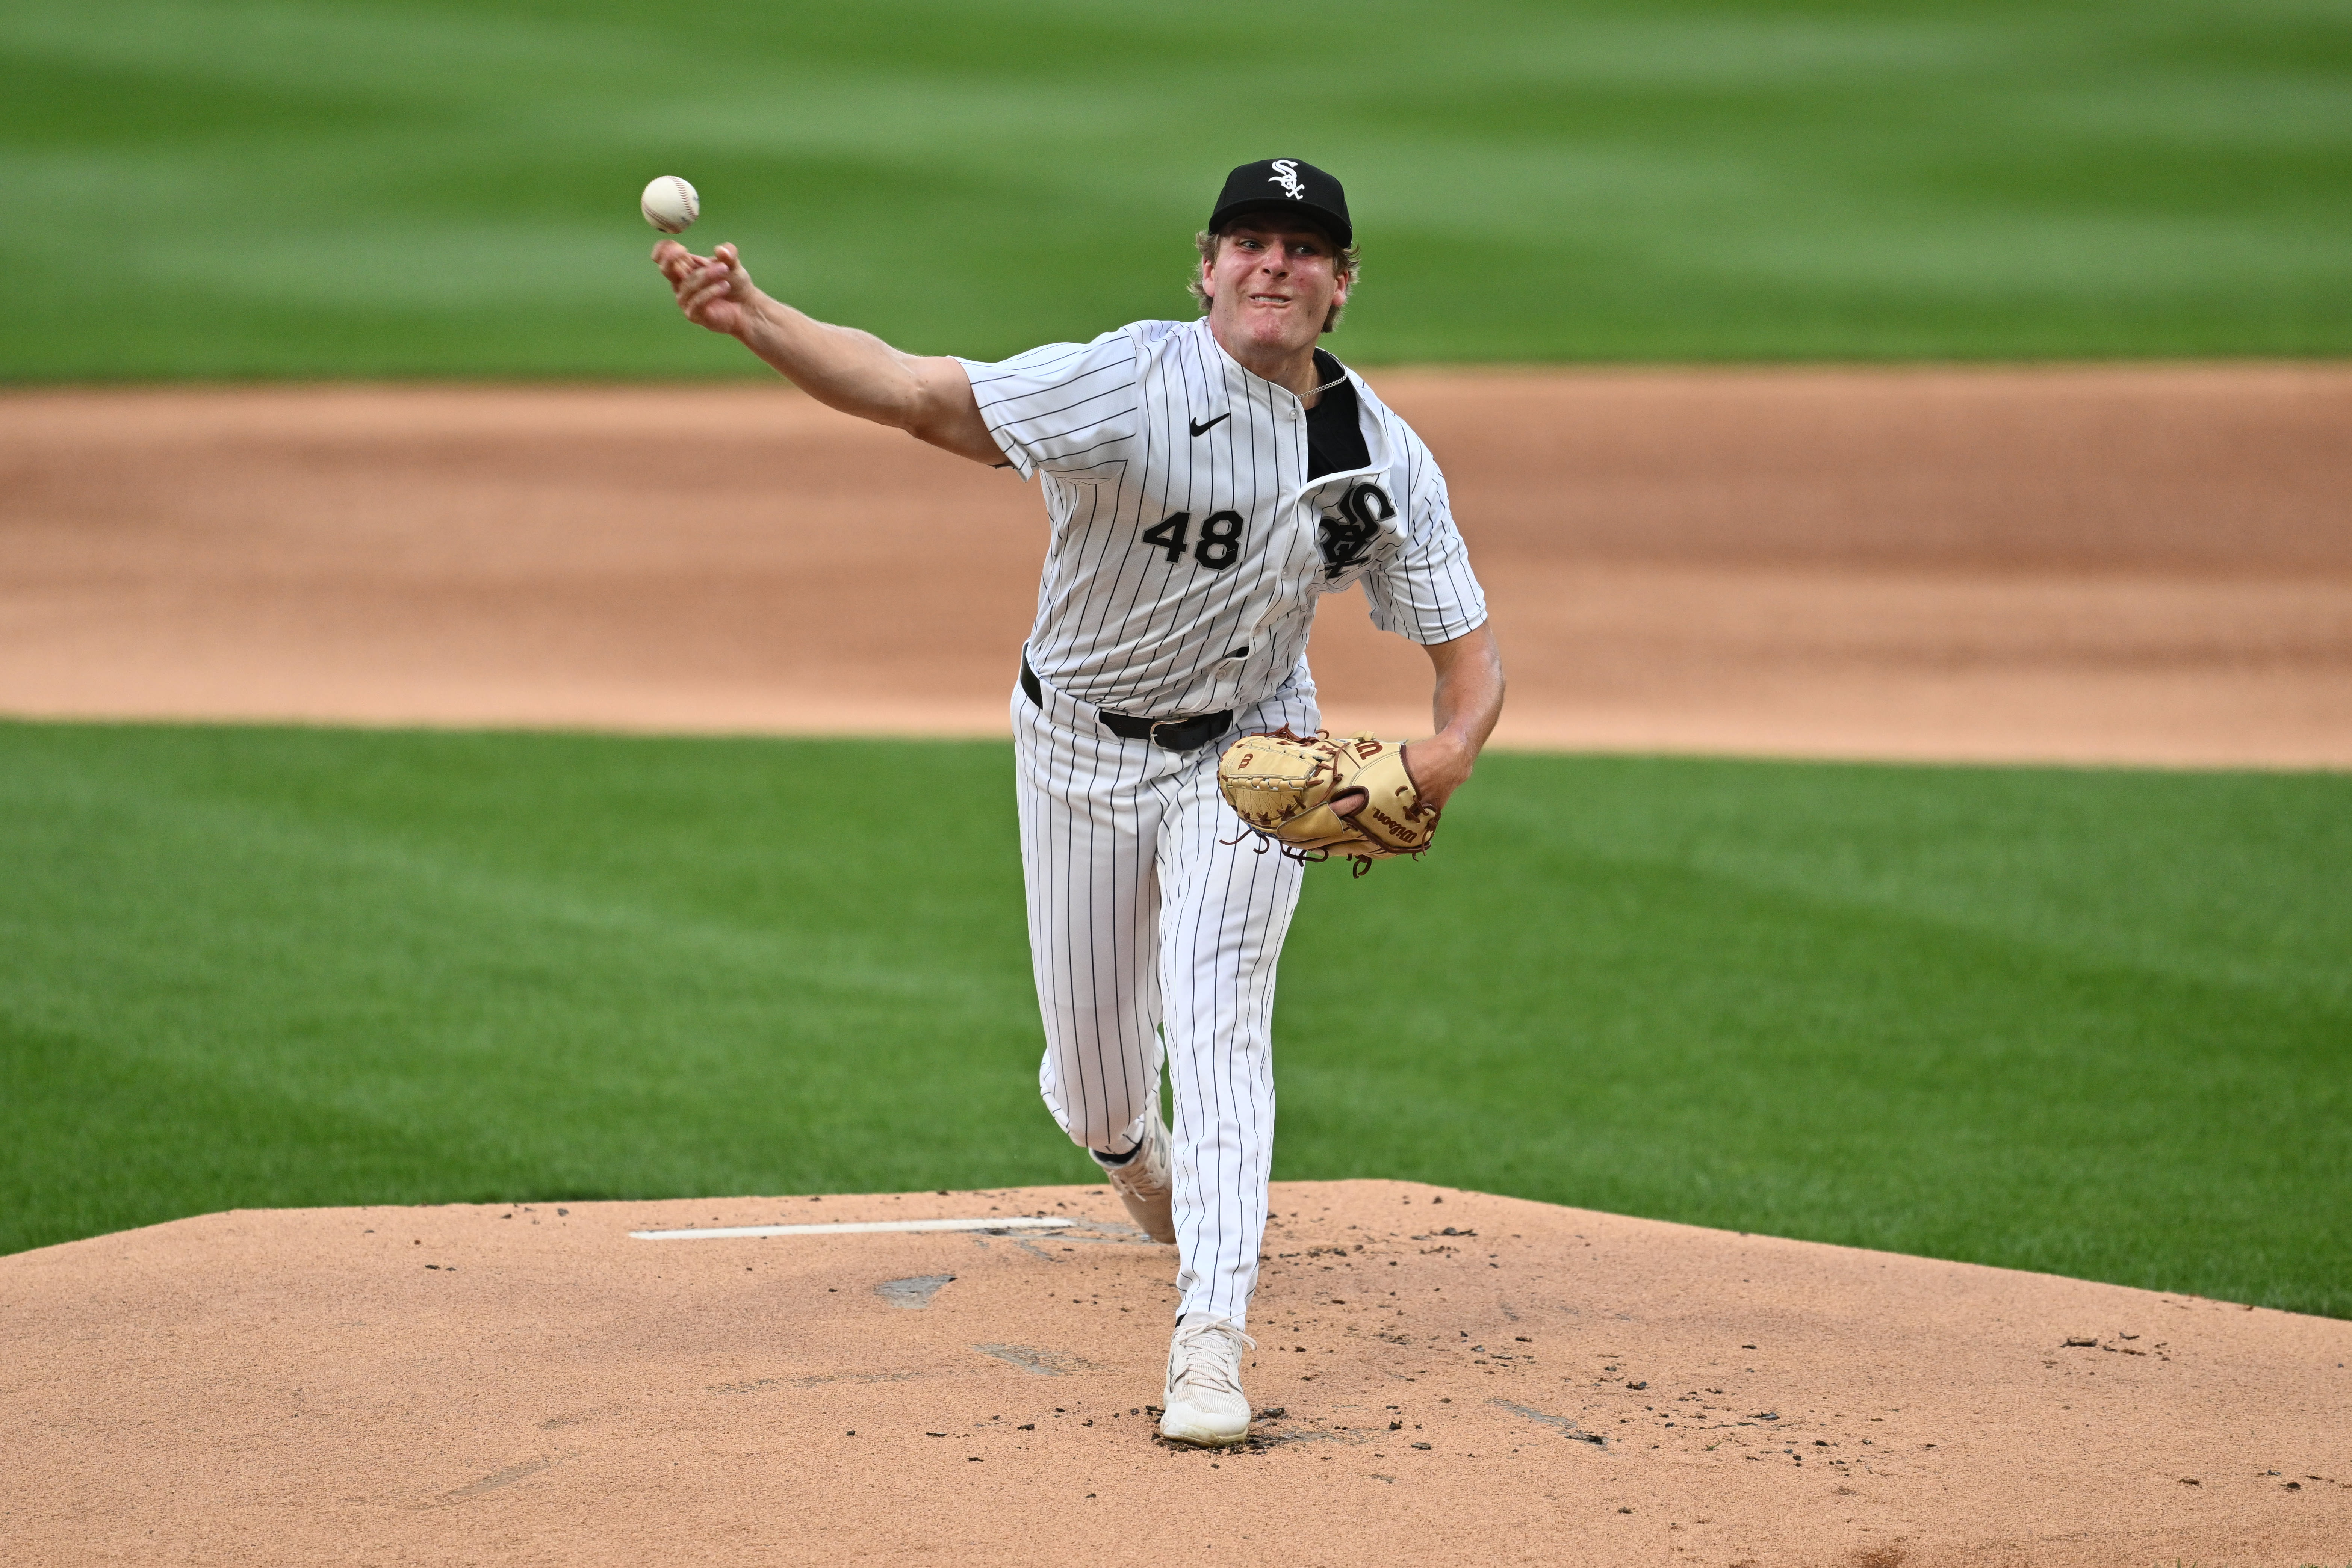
1313 797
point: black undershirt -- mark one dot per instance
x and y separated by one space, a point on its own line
1335 434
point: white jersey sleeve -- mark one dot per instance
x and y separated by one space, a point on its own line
1425 591
1064 407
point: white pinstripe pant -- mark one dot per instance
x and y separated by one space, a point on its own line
1142 918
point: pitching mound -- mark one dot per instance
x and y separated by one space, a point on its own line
1445 1377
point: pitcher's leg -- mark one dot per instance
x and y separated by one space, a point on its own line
1090 816
1224 911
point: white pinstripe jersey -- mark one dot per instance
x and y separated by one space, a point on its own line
1188 547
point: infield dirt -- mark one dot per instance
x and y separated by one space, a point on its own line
1448 1378
2092 564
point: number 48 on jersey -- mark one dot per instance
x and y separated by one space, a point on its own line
1219 546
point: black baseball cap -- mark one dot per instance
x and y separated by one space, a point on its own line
1285 186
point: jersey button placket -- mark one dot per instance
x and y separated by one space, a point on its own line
1304 561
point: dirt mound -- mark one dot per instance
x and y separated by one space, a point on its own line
1447 1377
2127 564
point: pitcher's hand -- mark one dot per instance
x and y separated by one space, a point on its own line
1439 765
713 291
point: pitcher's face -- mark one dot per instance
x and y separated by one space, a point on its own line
1273 285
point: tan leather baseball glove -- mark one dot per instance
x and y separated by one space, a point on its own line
1284 786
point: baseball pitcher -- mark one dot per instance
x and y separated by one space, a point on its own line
1206 483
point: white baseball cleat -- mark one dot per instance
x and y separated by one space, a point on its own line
1205 1404
1144 1185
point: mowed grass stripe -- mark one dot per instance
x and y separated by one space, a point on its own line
2094 1022
339 187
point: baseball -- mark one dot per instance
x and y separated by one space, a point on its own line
670 205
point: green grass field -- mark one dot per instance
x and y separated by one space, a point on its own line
340 187
2097 1023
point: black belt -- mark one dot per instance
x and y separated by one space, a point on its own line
1174 734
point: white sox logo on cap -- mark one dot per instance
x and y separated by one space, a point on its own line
1300 191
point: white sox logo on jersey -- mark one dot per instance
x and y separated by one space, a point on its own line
1286 175
1350 527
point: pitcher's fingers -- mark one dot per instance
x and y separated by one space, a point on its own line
680 263
705 291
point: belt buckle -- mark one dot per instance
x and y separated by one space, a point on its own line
1159 724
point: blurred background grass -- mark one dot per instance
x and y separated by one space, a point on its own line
2083 1021
331 187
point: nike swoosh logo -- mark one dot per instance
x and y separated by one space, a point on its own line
1199 429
